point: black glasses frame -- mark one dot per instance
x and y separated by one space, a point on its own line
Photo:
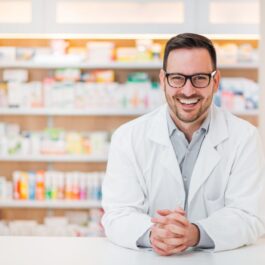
210 75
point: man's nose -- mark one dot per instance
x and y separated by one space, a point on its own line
188 90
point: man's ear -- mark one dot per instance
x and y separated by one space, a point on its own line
216 80
162 78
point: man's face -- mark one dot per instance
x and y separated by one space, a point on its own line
189 104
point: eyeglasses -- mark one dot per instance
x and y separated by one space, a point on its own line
200 80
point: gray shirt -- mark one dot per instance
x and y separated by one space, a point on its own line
186 154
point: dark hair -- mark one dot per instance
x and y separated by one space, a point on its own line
189 41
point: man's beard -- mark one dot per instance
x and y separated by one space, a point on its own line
200 112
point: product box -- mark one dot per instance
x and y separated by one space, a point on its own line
100 52
24 54
7 54
3 95
15 75
15 95
67 74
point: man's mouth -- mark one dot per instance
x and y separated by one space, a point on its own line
190 102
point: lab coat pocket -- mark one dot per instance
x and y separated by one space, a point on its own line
214 205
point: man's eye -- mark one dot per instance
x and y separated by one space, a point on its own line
200 77
176 77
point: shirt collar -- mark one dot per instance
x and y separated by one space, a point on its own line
172 126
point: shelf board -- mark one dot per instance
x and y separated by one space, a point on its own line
53 158
99 112
246 113
108 65
102 65
72 112
55 204
246 65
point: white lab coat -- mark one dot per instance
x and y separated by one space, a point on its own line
227 189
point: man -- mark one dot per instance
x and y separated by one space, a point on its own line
187 174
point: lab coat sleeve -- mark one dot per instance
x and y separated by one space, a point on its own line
124 197
144 240
205 241
242 220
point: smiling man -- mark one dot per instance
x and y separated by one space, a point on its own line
187 174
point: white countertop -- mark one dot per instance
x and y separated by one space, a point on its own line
99 251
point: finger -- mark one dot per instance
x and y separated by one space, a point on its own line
161 221
180 241
180 210
162 233
178 218
160 251
177 250
173 218
164 212
161 245
176 229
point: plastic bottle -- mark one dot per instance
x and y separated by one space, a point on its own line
48 185
40 189
16 185
24 192
32 185
68 186
83 187
61 185
75 187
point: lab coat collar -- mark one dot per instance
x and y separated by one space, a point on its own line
217 132
208 157
158 130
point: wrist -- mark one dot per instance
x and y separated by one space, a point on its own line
195 235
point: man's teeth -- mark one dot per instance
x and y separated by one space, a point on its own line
188 101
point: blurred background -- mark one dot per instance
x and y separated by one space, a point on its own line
72 71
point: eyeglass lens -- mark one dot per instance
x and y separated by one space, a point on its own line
200 80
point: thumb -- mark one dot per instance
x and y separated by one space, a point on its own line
164 212
180 211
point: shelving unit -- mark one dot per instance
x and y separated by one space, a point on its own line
80 120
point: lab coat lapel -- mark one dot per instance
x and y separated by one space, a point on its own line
170 163
208 157
158 133
207 160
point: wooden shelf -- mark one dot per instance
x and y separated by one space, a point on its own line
72 112
109 65
95 112
83 65
53 204
53 158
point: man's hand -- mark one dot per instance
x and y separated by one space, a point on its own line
172 233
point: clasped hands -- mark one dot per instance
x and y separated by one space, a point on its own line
172 233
